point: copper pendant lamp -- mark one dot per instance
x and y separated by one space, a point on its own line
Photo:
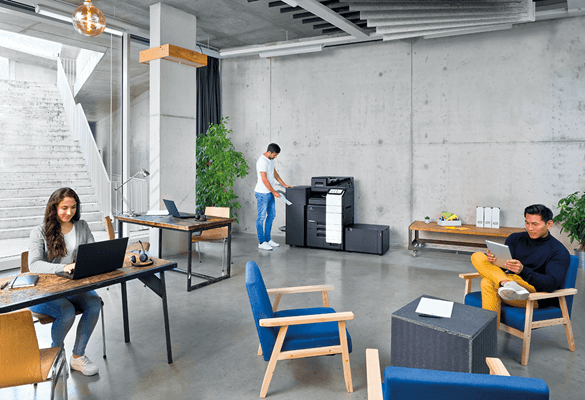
88 20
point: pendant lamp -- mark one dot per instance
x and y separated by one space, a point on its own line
88 20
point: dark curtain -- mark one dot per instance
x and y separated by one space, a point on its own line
208 95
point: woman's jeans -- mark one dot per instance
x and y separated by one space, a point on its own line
266 211
63 310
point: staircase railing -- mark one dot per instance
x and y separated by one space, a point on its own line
82 133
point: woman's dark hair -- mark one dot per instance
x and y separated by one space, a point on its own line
538 209
52 225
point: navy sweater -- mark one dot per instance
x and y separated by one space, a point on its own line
545 260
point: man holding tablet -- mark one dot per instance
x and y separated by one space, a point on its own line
539 264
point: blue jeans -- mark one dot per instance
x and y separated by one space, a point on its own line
63 310
266 211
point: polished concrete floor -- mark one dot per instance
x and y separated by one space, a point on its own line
215 344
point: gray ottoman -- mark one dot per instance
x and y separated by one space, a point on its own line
460 343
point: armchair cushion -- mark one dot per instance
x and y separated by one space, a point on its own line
309 336
412 383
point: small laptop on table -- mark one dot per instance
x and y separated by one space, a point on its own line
98 258
170 205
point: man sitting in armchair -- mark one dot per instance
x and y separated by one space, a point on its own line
539 264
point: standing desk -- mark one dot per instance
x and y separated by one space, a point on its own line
51 287
188 225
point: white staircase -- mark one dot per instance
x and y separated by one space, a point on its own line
38 156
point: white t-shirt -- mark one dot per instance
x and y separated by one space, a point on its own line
70 242
264 165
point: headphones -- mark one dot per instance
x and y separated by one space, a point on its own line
201 217
143 255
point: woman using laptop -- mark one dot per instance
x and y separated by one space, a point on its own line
52 248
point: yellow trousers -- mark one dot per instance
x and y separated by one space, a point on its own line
492 275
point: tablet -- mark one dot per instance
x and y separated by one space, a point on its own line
500 251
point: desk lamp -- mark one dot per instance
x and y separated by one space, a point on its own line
143 174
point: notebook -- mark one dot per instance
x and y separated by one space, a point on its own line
24 281
98 258
500 251
170 205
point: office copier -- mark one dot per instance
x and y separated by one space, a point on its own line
322 215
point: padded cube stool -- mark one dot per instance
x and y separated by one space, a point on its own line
459 344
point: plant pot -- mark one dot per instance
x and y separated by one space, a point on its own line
581 255
427 221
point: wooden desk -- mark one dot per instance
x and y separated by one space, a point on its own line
51 287
187 225
465 229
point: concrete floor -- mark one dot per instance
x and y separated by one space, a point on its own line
215 343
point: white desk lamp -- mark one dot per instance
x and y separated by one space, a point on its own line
143 174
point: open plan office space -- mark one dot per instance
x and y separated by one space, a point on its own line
415 107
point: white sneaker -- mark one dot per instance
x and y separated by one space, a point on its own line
84 365
265 246
273 243
512 291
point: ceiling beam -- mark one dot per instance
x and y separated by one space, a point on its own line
333 18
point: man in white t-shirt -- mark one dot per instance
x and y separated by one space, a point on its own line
265 194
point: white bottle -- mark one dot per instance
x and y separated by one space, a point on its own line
479 217
487 217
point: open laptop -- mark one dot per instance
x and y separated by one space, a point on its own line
98 258
170 205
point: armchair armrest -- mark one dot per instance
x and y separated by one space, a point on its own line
470 275
556 293
373 375
300 289
306 319
496 366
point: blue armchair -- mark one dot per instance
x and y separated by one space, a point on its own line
520 322
412 383
297 333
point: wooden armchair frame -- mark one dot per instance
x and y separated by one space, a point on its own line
284 322
529 325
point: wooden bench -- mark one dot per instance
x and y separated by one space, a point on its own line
465 229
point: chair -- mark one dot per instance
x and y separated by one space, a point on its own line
297 333
21 360
131 246
520 322
413 383
44 319
214 235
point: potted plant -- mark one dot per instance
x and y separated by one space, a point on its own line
427 220
571 216
218 166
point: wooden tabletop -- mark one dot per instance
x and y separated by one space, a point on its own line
50 286
464 229
182 224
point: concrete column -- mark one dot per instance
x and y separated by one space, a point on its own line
173 110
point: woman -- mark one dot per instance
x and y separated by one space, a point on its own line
53 247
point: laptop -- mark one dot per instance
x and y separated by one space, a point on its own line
98 258
170 205
500 251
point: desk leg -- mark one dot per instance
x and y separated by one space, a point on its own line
189 260
229 250
166 316
125 313
160 233
120 229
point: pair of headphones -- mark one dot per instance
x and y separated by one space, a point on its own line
201 217
142 256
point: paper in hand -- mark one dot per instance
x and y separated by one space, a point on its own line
283 197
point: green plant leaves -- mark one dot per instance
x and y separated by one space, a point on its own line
571 216
218 166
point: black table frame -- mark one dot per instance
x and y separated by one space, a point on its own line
208 280
146 276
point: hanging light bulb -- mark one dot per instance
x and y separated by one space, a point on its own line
88 20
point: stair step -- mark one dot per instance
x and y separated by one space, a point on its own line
40 162
29 176
15 223
24 232
44 192
36 211
41 201
30 149
47 184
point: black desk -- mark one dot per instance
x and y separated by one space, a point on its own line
51 287
188 225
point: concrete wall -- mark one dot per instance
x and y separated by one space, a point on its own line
31 73
424 126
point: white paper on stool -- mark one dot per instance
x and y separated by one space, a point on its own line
434 308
